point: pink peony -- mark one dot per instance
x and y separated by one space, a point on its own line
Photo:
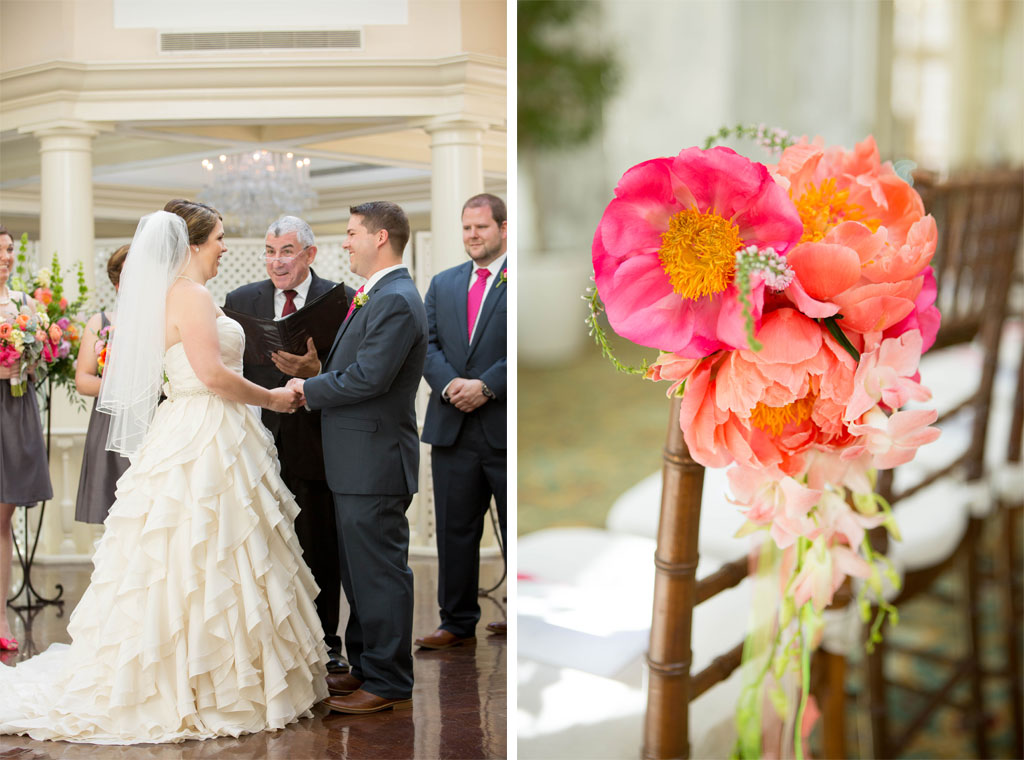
665 250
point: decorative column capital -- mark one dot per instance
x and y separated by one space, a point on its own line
65 128
456 129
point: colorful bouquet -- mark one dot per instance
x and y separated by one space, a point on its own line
22 341
791 304
102 347
46 286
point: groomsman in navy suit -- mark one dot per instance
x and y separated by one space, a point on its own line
290 251
466 416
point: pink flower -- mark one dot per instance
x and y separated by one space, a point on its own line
43 295
893 440
55 333
773 498
824 569
40 336
665 250
63 322
925 315
884 375
63 305
9 355
866 242
769 407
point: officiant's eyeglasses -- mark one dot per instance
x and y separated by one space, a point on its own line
272 255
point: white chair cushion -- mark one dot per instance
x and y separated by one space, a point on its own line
932 523
585 598
637 511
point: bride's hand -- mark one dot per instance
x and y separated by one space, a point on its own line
283 400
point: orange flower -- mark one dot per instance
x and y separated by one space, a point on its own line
5 331
43 295
23 321
55 333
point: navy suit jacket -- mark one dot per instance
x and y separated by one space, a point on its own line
367 392
297 435
451 355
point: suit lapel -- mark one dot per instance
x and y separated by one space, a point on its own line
263 303
461 296
489 307
348 322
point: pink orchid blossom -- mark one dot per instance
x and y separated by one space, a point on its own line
773 498
884 375
665 251
823 571
893 440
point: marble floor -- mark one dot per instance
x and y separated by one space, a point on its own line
460 698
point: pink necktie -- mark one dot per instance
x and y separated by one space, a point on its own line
475 298
352 304
289 303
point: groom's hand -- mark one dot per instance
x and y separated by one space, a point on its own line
467 395
295 386
298 365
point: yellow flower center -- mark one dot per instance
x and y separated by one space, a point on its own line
823 206
698 253
772 419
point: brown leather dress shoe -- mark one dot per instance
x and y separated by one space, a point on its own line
361 702
342 684
499 626
442 639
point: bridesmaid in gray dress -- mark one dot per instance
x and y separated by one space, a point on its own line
24 469
100 468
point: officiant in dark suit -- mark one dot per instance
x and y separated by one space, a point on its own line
289 255
467 414
367 391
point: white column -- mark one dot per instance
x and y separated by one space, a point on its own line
65 204
457 173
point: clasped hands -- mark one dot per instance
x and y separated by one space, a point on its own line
466 395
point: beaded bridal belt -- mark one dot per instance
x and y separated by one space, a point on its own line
173 394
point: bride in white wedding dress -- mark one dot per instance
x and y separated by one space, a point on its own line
199 620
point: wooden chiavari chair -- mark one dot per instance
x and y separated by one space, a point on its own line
940 505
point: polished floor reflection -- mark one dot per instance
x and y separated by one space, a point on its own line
460 704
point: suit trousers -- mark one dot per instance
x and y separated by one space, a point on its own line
373 541
315 521
466 475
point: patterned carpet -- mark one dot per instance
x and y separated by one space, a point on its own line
587 433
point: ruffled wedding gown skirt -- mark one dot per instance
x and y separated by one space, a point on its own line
199 620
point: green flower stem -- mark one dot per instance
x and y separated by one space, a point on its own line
772 138
596 307
805 690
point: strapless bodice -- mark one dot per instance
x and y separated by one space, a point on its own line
180 375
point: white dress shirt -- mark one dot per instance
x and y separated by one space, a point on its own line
301 291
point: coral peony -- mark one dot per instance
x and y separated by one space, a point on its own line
767 408
866 242
665 251
5 330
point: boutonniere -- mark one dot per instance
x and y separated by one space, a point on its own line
502 279
361 300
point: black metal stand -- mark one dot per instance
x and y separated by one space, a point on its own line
32 597
501 545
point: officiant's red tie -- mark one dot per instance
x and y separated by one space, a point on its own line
289 303
476 297
352 304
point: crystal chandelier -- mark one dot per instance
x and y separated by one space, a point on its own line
253 189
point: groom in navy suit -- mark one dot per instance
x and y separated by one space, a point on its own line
466 417
367 392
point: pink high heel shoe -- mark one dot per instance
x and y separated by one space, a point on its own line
10 645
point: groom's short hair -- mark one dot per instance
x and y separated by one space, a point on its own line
385 215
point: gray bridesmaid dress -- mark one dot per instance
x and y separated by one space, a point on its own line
24 467
101 469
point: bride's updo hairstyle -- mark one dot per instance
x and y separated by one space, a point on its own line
200 218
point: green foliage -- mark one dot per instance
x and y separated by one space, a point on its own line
562 85
598 334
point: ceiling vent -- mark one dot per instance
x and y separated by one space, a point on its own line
180 42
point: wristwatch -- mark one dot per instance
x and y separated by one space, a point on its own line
487 391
